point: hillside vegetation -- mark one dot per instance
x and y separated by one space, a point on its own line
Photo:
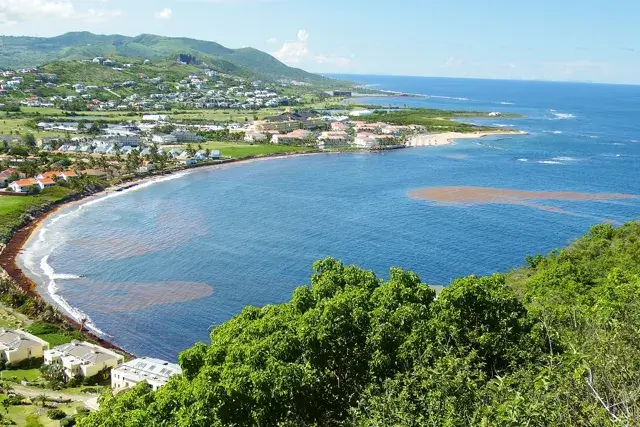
553 343
244 62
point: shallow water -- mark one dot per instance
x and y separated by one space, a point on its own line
162 264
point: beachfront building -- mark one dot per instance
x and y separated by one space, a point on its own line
16 346
333 139
82 359
366 140
155 372
297 136
23 185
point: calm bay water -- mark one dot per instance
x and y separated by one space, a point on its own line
154 268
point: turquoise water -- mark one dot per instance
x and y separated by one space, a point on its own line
155 267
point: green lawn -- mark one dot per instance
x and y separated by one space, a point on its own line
34 415
239 150
12 207
30 375
53 334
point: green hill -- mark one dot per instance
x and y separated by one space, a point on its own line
246 62
554 343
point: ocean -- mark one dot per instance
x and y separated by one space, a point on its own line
156 267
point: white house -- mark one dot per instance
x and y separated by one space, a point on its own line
156 372
164 139
23 185
82 358
16 346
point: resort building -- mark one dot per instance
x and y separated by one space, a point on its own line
156 372
82 359
366 140
295 137
16 346
23 185
333 139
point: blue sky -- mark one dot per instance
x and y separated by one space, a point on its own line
575 40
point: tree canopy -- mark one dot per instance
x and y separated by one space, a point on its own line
551 343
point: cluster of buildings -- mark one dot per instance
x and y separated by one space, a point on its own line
205 90
327 131
41 181
85 360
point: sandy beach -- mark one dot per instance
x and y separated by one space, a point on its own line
436 139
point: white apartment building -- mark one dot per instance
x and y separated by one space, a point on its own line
156 372
16 346
82 359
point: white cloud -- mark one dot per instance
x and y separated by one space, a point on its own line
272 40
164 13
292 52
17 11
303 35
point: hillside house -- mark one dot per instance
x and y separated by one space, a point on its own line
17 345
155 372
82 359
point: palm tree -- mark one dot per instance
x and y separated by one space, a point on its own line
83 321
5 387
42 398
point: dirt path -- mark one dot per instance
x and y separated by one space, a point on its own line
34 392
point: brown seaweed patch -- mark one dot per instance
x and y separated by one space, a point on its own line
122 297
487 195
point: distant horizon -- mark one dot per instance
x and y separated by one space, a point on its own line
477 78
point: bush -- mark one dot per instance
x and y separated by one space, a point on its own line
68 422
56 414
91 390
83 410
15 400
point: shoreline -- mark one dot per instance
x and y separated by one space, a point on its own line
9 253
16 245
440 139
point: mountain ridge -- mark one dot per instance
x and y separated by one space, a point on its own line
27 51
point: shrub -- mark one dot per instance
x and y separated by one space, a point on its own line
56 414
68 422
91 390
83 410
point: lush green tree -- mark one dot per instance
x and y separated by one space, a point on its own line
552 343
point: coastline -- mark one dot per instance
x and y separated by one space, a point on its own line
439 139
9 253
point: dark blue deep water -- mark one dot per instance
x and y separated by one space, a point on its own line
163 263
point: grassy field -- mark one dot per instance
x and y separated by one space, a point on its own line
53 334
36 416
9 320
18 375
13 207
239 150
